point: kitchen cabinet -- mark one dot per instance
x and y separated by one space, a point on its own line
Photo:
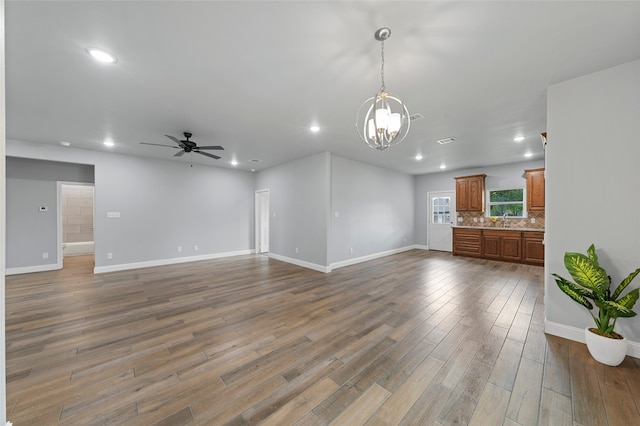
470 193
502 245
533 247
535 190
467 242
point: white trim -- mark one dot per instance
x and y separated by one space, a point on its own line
163 262
298 262
357 260
30 269
577 335
78 248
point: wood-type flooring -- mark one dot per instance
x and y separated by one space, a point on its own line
417 338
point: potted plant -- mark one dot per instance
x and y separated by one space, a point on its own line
593 283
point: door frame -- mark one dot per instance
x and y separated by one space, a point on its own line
261 211
59 216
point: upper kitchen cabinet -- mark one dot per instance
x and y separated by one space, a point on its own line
535 189
470 193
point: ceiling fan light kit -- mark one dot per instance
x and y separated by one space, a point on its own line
382 120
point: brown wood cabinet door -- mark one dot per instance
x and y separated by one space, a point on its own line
491 246
462 195
511 247
533 248
476 194
535 190
470 193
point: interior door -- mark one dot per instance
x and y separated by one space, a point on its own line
262 221
442 212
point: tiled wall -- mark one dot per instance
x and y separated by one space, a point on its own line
481 220
77 213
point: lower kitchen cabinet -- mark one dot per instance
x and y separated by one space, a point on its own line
533 243
500 244
467 242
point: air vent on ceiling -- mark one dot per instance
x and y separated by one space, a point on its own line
416 116
255 160
446 140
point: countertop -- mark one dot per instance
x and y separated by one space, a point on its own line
498 228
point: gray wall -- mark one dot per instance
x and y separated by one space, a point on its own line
593 179
374 207
299 202
31 184
504 176
162 204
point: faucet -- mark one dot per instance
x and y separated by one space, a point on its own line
504 220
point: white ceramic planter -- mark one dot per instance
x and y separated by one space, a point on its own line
607 351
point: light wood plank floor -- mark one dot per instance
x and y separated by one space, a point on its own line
415 338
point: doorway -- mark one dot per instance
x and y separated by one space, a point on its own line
262 220
75 220
442 212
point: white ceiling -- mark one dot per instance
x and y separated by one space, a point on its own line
253 76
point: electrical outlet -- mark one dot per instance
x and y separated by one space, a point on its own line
475 220
45 255
179 249
482 220
195 248
460 219
296 249
405 239
109 255
533 220
351 250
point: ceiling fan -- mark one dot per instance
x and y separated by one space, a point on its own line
188 146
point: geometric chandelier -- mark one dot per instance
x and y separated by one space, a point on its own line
382 120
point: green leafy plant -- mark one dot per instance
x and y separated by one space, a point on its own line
593 283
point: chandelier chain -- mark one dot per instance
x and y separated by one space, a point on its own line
382 67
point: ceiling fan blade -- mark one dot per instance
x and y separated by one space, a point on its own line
207 154
157 144
210 147
179 153
175 140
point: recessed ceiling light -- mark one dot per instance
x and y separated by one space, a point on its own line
253 170
101 55
518 139
314 129
528 154
108 142
443 166
234 163
65 143
419 157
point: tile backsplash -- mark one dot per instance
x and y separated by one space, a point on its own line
482 221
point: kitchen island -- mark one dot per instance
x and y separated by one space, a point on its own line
520 245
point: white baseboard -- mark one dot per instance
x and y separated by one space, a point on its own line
30 269
75 249
366 258
303 263
577 335
162 262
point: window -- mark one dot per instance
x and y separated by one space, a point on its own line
508 202
441 210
